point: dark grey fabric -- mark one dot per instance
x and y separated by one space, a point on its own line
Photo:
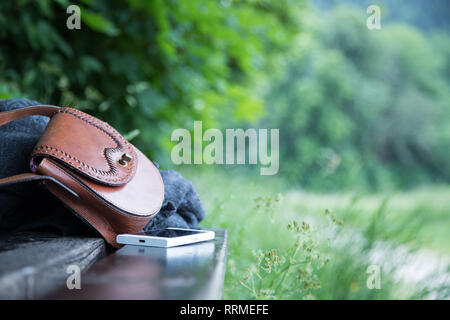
27 206
182 207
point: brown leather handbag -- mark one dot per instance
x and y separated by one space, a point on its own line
93 170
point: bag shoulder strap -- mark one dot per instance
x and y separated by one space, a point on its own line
28 177
15 114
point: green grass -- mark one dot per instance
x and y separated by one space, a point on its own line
291 244
420 217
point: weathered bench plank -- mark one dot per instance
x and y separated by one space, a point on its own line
33 264
187 272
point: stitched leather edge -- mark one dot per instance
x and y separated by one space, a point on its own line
96 174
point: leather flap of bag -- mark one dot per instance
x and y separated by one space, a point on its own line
89 146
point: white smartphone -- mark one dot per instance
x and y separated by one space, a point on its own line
165 238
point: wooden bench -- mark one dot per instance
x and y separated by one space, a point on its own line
35 266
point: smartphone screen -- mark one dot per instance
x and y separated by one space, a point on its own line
171 233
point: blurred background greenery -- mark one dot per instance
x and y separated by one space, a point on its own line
364 118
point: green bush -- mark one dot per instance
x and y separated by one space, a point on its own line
363 108
146 65
355 108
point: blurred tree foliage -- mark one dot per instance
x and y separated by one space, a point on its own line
426 15
355 108
146 67
363 108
